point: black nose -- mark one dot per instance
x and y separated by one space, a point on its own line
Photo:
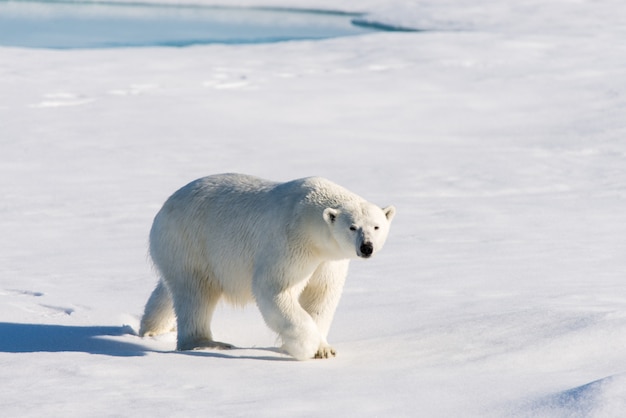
367 249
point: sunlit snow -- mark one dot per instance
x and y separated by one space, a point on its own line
498 133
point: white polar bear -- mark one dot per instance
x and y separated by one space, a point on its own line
285 245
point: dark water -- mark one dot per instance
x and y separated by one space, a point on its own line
82 24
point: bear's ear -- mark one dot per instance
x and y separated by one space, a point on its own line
330 215
390 212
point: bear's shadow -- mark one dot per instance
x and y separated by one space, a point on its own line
233 354
35 338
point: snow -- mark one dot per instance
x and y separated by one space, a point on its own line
498 134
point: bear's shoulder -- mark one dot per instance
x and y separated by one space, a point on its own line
323 192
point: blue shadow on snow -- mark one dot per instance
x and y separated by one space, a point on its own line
34 338
37 338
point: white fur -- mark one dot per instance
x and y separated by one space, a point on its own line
285 245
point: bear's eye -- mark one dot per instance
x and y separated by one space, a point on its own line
376 228
352 228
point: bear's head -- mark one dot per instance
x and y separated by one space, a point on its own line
361 229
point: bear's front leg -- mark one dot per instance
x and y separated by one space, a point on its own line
321 296
283 314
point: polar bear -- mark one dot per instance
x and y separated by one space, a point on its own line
284 245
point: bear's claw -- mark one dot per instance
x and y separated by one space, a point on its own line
325 352
204 344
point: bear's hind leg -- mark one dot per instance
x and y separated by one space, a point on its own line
194 306
158 317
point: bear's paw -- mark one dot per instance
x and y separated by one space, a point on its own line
202 344
325 351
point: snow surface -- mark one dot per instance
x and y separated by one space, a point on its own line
499 135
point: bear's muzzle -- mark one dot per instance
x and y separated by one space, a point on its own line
366 250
